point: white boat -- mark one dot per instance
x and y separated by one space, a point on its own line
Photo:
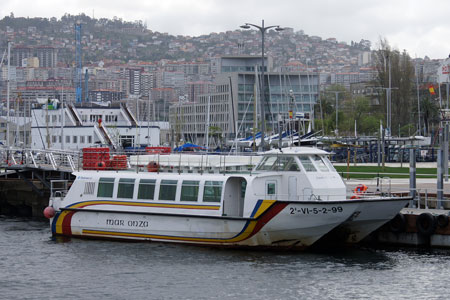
291 199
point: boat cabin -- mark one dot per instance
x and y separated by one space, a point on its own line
296 174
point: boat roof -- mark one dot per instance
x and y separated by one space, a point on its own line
93 175
296 151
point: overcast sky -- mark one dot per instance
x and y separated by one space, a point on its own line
421 27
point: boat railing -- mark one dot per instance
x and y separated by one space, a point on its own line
58 188
327 196
194 162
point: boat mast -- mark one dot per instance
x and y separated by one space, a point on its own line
7 94
62 118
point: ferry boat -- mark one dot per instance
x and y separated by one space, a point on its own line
291 199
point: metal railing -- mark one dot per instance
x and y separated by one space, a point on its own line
21 158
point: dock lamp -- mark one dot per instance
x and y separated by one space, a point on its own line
262 29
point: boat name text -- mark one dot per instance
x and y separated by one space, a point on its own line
130 223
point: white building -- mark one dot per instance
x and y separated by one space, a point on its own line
87 126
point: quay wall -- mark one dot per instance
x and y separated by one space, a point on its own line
417 228
17 198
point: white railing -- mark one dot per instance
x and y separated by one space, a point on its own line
44 159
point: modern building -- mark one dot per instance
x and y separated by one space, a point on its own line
47 55
232 108
19 53
134 77
244 63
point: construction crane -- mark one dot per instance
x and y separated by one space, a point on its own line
78 63
86 86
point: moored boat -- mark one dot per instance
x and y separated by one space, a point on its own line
292 198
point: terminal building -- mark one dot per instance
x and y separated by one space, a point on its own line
232 108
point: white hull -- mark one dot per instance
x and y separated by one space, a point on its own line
370 215
282 224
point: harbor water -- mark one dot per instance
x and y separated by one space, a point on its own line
36 266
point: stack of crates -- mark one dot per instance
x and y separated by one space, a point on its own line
95 158
158 150
119 162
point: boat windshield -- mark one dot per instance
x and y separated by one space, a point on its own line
318 161
315 163
278 163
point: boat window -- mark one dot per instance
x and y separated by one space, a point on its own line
329 164
105 187
212 191
146 189
307 163
168 190
320 164
126 188
267 163
271 187
243 188
288 164
189 190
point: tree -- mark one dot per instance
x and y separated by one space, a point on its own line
402 82
430 113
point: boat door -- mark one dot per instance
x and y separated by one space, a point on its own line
292 188
234 196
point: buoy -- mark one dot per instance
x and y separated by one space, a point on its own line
49 212
153 166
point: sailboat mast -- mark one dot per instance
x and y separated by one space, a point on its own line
7 94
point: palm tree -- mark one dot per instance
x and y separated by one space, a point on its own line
430 113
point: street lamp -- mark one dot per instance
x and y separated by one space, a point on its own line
262 29
336 131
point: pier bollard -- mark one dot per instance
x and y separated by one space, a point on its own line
412 176
440 179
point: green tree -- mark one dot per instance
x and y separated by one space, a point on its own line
401 70
430 113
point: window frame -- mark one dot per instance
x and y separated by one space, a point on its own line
186 185
145 184
214 185
105 182
166 186
123 189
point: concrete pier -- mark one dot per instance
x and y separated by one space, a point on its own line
17 198
416 227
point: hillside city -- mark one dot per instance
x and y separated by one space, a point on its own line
122 61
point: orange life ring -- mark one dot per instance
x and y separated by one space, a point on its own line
360 189
354 197
153 166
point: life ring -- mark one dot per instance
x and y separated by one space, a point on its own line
101 165
354 197
426 224
153 166
360 189
398 223
442 221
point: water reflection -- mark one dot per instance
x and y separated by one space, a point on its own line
33 264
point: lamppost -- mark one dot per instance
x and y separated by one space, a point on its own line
262 29
336 131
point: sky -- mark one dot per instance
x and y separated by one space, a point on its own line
422 28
